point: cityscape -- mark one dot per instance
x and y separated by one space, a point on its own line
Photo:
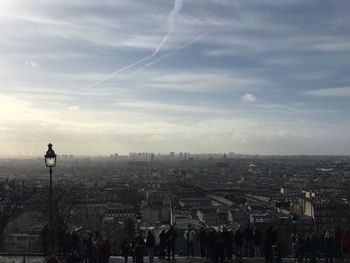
120 196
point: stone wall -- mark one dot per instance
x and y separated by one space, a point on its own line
21 259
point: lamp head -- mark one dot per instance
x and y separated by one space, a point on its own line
50 157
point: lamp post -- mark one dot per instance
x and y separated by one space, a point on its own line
50 161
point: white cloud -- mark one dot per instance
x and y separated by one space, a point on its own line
29 128
31 64
330 92
73 108
249 98
161 107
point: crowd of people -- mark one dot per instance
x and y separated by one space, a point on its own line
214 245
74 248
331 245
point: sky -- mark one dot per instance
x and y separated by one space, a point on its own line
119 76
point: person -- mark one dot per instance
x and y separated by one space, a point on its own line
139 248
269 240
277 253
238 243
248 241
98 245
74 241
293 239
125 249
219 250
150 244
171 237
105 251
45 239
346 244
189 236
228 242
201 239
88 248
329 247
52 258
132 249
337 243
314 247
62 241
74 257
307 249
300 246
162 244
210 243
257 242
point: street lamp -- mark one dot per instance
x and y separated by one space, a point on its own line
50 161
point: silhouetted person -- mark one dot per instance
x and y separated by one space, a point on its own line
171 236
88 248
257 242
228 240
74 257
238 243
132 249
337 243
74 241
189 236
210 243
277 253
346 244
139 248
125 249
219 252
45 239
329 247
201 239
307 249
293 239
62 241
106 251
162 244
150 244
314 247
300 246
248 241
98 245
268 242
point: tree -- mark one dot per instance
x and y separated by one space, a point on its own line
64 205
14 201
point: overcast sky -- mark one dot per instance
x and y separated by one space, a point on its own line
249 76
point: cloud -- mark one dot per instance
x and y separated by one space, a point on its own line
208 96
330 92
170 28
249 98
74 108
29 127
31 64
167 107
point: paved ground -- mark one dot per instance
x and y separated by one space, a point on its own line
194 260
34 259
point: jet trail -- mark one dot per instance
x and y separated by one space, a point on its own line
171 19
194 40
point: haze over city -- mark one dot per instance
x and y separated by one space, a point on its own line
98 77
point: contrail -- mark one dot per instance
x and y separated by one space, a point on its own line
197 38
171 19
